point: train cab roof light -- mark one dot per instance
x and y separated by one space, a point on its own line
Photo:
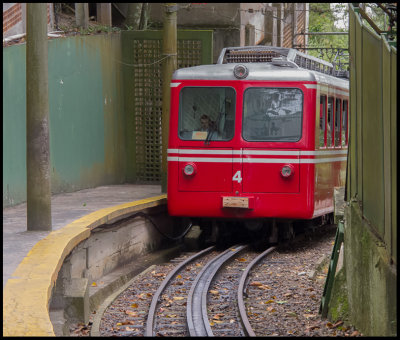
240 71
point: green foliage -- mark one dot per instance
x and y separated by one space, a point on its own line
323 18
377 15
98 29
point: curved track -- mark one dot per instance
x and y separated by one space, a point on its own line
197 318
242 309
150 319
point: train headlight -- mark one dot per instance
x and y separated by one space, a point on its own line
287 171
189 169
240 71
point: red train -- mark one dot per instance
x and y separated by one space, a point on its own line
260 136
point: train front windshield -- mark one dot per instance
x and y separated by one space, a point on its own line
272 114
207 113
269 114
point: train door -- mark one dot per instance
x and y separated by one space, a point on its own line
206 121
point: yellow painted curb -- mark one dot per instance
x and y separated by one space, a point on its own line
27 294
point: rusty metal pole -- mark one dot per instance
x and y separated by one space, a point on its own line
168 67
37 120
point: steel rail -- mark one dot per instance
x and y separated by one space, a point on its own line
150 318
242 309
197 319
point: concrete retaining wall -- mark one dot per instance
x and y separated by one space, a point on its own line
371 277
77 252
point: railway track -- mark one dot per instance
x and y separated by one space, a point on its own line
246 294
200 296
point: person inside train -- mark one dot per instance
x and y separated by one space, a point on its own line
275 108
206 123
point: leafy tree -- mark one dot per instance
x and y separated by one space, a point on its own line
323 18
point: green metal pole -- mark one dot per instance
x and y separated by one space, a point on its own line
37 120
168 67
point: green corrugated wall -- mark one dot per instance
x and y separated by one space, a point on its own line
87 122
94 126
370 235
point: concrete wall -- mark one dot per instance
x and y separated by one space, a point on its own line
115 248
370 277
87 122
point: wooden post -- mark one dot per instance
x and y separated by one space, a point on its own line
82 14
168 67
37 120
104 13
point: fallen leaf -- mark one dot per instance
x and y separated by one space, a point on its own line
119 324
309 315
134 305
269 301
310 328
242 260
131 313
271 309
171 315
292 314
256 283
355 333
212 323
179 276
178 298
338 323
94 284
127 322
214 292
329 325
218 316
264 287
281 302
159 274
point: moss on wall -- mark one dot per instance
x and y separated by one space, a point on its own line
370 277
339 305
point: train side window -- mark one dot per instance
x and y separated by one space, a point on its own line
330 122
345 123
338 108
207 113
322 121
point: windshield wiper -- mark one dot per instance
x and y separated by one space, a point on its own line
211 130
209 135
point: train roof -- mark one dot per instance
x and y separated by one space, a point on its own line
257 71
265 63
